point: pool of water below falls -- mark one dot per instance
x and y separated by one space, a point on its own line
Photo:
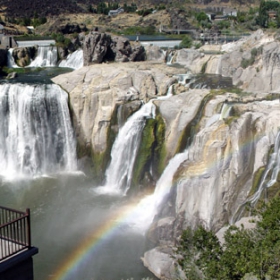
80 233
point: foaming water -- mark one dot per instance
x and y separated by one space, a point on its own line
146 209
46 57
74 60
125 148
36 135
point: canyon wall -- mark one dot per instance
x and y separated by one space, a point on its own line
227 137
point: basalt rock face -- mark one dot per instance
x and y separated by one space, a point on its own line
95 47
24 55
98 92
216 178
101 47
252 63
226 138
3 57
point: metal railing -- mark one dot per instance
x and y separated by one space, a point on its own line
15 233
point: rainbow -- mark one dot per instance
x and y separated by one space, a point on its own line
92 242
99 235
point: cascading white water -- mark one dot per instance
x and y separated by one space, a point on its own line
271 172
146 210
46 57
170 58
74 60
183 78
225 111
124 151
10 59
36 136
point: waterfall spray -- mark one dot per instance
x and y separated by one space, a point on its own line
120 171
74 60
46 57
36 135
271 172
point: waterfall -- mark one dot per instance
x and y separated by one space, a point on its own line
46 57
164 183
36 135
11 62
168 94
124 151
225 111
148 206
74 60
170 58
271 172
184 79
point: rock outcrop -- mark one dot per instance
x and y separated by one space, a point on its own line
217 177
101 47
24 55
253 62
155 53
97 93
226 138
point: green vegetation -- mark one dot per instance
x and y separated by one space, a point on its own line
223 24
256 180
61 40
263 18
28 21
103 8
204 66
247 62
145 12
186 42
151 150
129 8
255 251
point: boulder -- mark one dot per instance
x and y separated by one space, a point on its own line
155 53
121 48
160 262
24 55
95 47
11 75
101 47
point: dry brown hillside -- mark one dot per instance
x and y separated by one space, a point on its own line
27 8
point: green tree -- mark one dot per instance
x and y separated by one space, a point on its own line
201 16
186 42
102 8
255 251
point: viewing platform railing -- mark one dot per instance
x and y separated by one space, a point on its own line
15 233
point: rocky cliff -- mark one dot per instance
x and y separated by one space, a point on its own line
101 92
252 62
225 137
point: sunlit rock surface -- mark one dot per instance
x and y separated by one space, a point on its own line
97 91
227 137
178 111
215 180
252 62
